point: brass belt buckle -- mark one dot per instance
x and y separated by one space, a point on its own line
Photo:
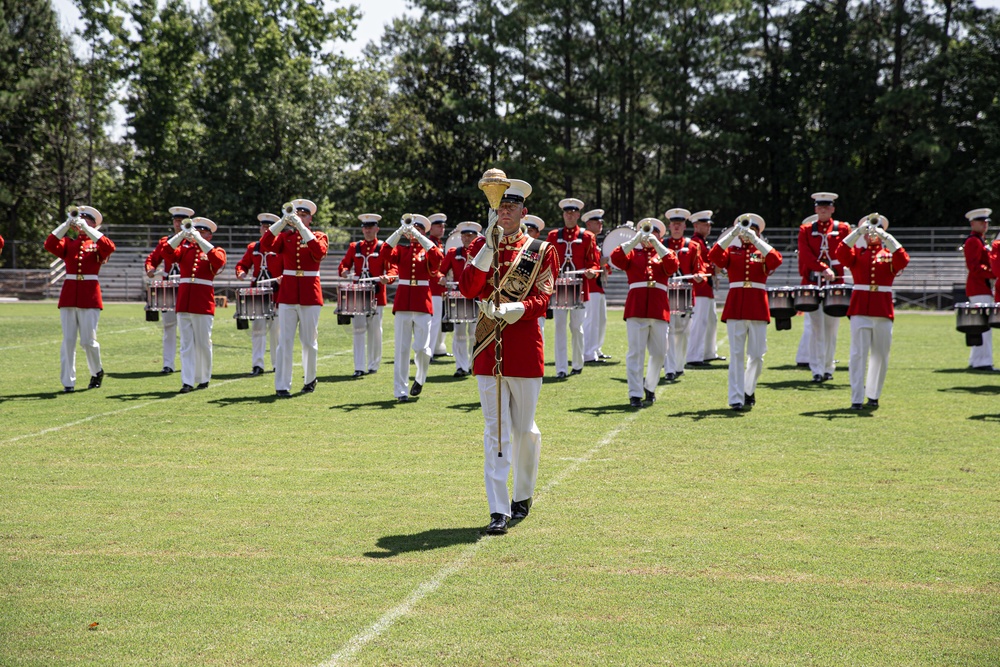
413 282
874 288
650 283
79 276
298 274
747 283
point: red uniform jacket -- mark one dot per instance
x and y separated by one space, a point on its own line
455 261
746 265
704 288
977 260
415 268
195 293
995 265
251 262
689 255
649 274
300 265
1 244
812 258
83 258
523 347
584 253
154 258
377 255
437 289
872 267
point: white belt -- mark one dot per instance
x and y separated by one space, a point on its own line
872 288
747 283
198 281
81 276
650 283
300 274
414 283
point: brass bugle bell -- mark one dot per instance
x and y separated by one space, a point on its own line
744 221
288 209
73 211
187 224
407 219
646 227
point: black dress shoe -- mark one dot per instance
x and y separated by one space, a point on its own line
95 381
402 399
737 407
827 376
678 375
373 372
560 375
283 393
519 509
167 370
309 387
817 378
358 374
257 370
498 525
718 358
68 390
634 402
872 403
459 373
601 355
982 368
186 389
669 377
416 388
695 364
749 400
594 361
203 385
576 371
650 397
856 406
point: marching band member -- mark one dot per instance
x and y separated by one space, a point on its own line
533 226
455 261
198 262
804 351
702 346
527 279
368 258
256 266
978 284
874 258
690 263
595 312
819 266
577 251
80 301
300 299
169 317
995 267
415 263
748 260
1 244
648 264
436 235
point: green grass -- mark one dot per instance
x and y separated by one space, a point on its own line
225 528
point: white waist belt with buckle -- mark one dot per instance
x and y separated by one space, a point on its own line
415 283
300 274
872 288
651 283
197 281
742 284
81 276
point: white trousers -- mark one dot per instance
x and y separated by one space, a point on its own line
80 322
644 333
703 330
595 323
462 343
982 355
575 318
413 330
677 342
196 347
437 336
822 341
802 355
260 332
520 439
367 332
306 318
871 338
747 347
169 319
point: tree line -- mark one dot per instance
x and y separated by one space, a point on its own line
634 106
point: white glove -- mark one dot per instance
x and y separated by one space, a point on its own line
60 231
483 258
200 240
661 249
176 239
727 237
305 232
630 245
491 225
760 243
888 240
276 228
424 242
92 232
393 239
508 312
851 239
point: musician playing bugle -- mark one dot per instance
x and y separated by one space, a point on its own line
526 276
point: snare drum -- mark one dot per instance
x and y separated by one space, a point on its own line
255 303
807 298
679 296
568 294
973 319
457 308
355 299
994 318
161 296
836 300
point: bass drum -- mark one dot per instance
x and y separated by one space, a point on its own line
454 241
615 238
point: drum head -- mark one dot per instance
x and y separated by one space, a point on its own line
615 238
454 241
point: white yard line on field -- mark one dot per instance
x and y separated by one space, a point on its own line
59 342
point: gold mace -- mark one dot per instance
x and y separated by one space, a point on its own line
494 184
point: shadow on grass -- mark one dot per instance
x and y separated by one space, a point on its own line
38 396
138 375
602 410
238 400
145 395
989 390
376 405
465 407
448 379
807 385
437 538
789 367
339 378
965 371
840 413
717 413
986 418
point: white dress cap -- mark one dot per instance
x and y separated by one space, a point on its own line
597 213
204 223
677 214
517 192
702 216
571 203
306 204
656 222
369 218
534 221
93 213
422 221
181 211
820 198
882 220
265 218
469 227
437 217
978 213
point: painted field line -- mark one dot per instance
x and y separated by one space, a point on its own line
59 342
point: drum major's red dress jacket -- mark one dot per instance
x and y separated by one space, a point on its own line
977 261
704 288
154 258
810 244
523 347
378 253
748 271
995 266
300 265
874 268
83 258
647 279
582 246
414 268
195 291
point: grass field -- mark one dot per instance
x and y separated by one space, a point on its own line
224 528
